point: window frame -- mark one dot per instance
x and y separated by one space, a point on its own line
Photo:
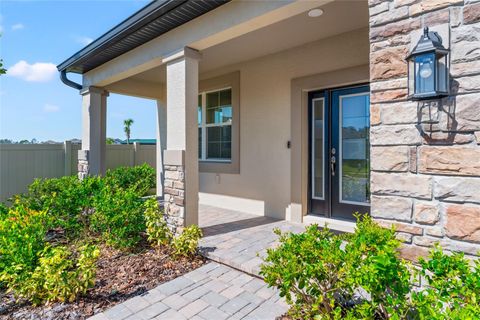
218 83
204 125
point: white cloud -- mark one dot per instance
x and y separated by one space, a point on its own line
18 26
84 40
50 108
36 72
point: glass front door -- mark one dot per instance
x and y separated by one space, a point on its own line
340 152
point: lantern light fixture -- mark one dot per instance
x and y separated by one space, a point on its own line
428 76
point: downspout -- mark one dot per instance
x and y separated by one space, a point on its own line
68 82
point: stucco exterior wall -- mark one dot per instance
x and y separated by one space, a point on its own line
263 185
425 156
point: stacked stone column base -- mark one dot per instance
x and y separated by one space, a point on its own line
83 166
174 190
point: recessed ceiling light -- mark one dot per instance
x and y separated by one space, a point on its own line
315 13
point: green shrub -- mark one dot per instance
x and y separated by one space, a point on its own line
59 276
3 211
322 275
118 216
157 229
22 237
360 276
140 179
67 210
374 265
307 268
186 243
65 199
453 290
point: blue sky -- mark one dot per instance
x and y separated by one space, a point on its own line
36 35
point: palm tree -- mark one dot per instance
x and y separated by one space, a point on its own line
127 124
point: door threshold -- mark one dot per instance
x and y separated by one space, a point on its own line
333 224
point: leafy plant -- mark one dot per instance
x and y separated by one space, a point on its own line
59 276
65 199
360 276
453 287
157 229
35 264
139 178
307 268
374 266
22 237
186 243
118 216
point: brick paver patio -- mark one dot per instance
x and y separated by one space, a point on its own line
238 239
231 289
211 292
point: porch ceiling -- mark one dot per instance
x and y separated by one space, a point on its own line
338 17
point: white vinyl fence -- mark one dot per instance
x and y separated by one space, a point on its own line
20 164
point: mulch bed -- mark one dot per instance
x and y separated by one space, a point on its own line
120 276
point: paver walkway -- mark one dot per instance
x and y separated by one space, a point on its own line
217 291
211 292
238 239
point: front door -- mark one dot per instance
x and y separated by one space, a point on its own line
339 166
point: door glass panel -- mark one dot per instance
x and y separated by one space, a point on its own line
318 126
354 149
199 117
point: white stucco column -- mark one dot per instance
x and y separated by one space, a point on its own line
91 158
161 143
181 154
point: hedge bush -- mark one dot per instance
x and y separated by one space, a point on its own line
41 258
22 237
139 179
361 276
118 216
60 275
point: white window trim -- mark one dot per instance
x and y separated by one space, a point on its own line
204 127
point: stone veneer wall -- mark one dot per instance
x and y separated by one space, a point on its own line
425 157
174 197
83 167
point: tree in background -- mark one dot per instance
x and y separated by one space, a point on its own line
110 141
126 127
2 69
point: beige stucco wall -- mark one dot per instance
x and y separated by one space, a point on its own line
264 184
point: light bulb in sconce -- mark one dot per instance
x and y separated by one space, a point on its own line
425 70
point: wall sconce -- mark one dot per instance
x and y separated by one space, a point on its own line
428 76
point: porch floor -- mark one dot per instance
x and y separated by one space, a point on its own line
239 240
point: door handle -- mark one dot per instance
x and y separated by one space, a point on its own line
333 161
